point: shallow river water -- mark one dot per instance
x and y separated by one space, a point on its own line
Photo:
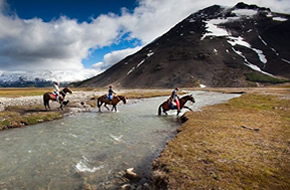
90 147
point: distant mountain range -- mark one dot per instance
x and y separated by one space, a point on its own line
217 46
39 78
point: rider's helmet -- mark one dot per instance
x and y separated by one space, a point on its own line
57 83
177 88
110 86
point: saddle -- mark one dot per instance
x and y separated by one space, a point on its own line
171 103
107 97
54 95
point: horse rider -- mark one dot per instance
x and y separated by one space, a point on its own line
175 98
56 90
110 93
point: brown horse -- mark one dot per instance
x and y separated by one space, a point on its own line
114 102
50 96
166 105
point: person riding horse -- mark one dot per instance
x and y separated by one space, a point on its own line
174 98
110 93
52 96
56 90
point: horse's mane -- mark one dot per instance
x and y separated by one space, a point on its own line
185 96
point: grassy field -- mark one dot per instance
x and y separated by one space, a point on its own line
242 144
17 92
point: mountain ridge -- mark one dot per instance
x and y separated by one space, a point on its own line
252 40
216 46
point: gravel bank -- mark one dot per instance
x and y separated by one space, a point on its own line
75 98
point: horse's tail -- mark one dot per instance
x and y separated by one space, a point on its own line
45 100
159 109
44 103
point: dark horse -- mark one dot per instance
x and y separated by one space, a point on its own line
50 96
114 102
166 105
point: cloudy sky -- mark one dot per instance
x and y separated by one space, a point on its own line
90 35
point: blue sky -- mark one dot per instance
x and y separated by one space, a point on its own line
82 10
89 36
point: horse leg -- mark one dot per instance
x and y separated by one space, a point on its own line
99 105
164 111
45 105
107 107
48 105
61 106
187 108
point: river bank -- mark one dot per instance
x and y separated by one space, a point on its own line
241 144
22 107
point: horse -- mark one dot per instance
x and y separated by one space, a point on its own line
166 105
51 96
115 100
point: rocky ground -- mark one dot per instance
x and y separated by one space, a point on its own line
76 97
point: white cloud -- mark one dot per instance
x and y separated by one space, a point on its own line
62 44
113 57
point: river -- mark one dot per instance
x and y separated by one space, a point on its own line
90 147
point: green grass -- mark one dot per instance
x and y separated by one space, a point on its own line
259 77
19 116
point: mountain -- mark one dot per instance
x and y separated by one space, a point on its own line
216 46
41 78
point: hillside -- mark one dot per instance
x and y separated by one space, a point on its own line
216 46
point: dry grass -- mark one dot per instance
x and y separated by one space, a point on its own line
19 92
214 150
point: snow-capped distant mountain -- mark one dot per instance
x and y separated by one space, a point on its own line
216 46
42 78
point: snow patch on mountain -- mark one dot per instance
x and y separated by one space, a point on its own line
213 29
240 41
285 60
131 70
139 64
245 12
247 63
280 19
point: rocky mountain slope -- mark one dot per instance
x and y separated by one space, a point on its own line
217 46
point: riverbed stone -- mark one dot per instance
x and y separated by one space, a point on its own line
131 175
